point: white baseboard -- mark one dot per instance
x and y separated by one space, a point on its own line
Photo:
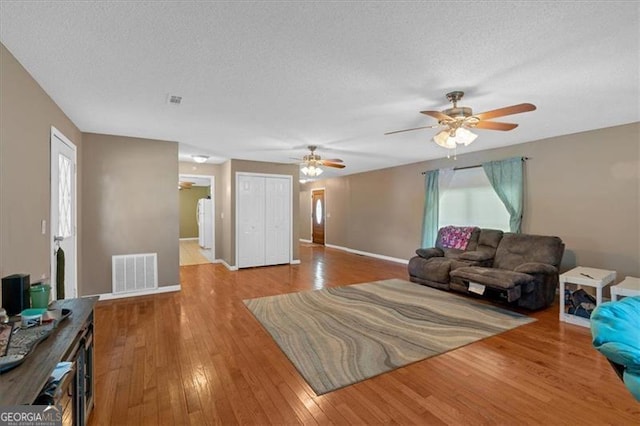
229 267
188 239
163 289
364 253
235 268
302 240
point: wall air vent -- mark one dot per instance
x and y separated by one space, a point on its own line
134 272
174 100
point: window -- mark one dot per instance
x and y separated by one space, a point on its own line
64 196
318 212
469 200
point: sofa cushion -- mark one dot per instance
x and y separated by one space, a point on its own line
490 237
536 268
492 277
428 253
516 249
456 263
435 269
475 256
451 253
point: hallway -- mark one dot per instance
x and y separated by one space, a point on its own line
192 254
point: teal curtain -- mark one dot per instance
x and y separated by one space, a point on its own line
430 221
507 178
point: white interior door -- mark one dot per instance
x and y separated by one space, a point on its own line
250 207
277 220
63 211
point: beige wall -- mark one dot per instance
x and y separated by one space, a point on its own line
130 206
582 187
227 233
292 170
305 213
338 209
188 209
336 199
26 116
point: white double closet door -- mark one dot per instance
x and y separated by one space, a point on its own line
263 215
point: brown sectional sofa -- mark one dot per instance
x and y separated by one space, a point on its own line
432 266
518 268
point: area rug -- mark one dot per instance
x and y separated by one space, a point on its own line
339 336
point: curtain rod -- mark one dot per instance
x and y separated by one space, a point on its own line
473 167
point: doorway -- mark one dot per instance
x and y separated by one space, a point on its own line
63 219
317 216
197 219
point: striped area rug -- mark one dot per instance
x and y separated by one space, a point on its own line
339 336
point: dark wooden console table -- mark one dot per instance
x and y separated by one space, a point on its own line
22 385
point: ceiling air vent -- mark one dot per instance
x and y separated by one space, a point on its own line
174 100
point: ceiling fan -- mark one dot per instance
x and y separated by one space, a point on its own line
185 185
311 163
456 121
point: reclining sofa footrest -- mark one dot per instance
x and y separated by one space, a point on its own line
491 277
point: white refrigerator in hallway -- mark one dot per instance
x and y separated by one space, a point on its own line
204 217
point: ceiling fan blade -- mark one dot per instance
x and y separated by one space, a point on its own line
336 165
409 130
494 125
334 160
440 116
501 112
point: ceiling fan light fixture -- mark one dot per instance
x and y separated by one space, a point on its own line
311 170
464 136
310 165
456 121
200 158
451 138
444 139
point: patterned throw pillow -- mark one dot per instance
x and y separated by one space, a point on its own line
456 237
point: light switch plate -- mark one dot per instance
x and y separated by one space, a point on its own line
43 227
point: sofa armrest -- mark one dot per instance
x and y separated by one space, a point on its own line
536 268
476 256
428 253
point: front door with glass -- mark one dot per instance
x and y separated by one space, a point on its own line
63 210
317 216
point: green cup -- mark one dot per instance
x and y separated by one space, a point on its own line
40 295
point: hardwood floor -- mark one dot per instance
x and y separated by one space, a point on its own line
199 357
192 254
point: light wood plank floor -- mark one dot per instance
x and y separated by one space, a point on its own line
199 357
192 254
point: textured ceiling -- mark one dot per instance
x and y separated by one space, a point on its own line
261 80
